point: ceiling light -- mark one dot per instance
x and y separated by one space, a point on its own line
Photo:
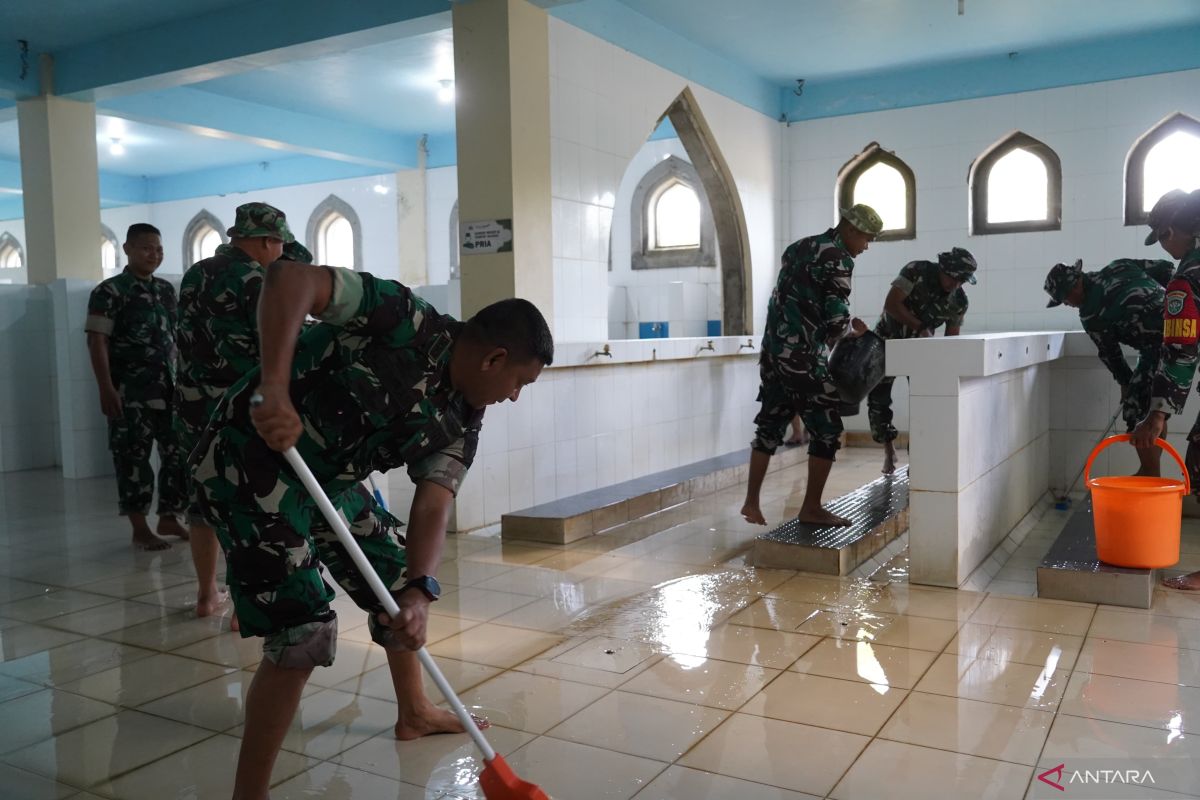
116 148
446 93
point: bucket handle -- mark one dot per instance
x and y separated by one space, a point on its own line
1125 437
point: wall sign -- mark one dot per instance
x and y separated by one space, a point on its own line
488 236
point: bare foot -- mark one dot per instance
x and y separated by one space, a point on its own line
234 625
752 514
822 517
208 602
1189 582
432 720
889 458
169 526
144 539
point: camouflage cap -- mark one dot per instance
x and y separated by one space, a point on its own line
258 220
1060 280
959 264
1160 216
294 251
864 218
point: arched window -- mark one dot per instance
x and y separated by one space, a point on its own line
1015 186
1163 158
110 252
454 250
12 257
335 234
201 238
671 221
880 179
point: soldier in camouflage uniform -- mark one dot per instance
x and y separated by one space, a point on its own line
1175 224
1121 304
131 339
385 381
808 312
924 296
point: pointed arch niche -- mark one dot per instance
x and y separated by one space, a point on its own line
201 227
890 188
1177 132
1005 187
331 212
720 190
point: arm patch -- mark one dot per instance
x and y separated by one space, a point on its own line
1180 316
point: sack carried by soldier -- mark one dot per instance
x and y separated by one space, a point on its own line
855 367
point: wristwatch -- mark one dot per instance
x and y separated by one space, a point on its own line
428 586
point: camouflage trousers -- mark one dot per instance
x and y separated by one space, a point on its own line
275 541
810 395
1138 392
130 439
879 411
193 407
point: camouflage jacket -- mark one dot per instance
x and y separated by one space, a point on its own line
218 333
810 304
372 387
1181 318
1123 305
921 282
138 317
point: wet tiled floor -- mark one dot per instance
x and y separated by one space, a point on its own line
635 664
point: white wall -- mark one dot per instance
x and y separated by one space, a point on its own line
604 103
27 401
1091 128
441 193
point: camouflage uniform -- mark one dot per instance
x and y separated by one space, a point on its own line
921 282
809 308
138 316
372 387
1122 305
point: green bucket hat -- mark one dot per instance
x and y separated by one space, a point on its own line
959 264
864 218
258 220
294 251
1060 280
1162 213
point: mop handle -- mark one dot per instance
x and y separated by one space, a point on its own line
385 597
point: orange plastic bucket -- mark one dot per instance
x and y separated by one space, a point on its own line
1137 518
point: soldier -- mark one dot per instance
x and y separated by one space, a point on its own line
131 340
1175 224
923 297
387 381
1121 304
218 344
807 314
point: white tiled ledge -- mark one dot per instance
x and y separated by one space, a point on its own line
978 355
632 351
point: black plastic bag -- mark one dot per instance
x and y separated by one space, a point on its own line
856 366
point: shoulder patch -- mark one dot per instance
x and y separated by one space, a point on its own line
1180 316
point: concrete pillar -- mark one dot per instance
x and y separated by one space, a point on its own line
61 186
502 112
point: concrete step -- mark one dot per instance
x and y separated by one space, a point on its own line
879 514
579 516
1071 570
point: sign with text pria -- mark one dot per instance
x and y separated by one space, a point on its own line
487 236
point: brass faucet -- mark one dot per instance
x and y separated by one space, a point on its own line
708 346
605 352
749 343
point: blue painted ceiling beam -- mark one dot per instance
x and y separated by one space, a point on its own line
215 115
229 41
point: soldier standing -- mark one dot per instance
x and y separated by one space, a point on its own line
131 340
1121 304
386 382
807 314
1175 224
924 296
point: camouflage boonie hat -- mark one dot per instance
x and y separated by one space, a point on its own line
864 218
1160 216
294 251
959 264
258 220
1060 280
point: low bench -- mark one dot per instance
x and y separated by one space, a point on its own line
1071 570
579 516
878 513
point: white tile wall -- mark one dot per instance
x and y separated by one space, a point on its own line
82 428
26 347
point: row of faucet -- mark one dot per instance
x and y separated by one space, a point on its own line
607 351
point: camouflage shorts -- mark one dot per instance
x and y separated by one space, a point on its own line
813 398
1136 404
275 541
